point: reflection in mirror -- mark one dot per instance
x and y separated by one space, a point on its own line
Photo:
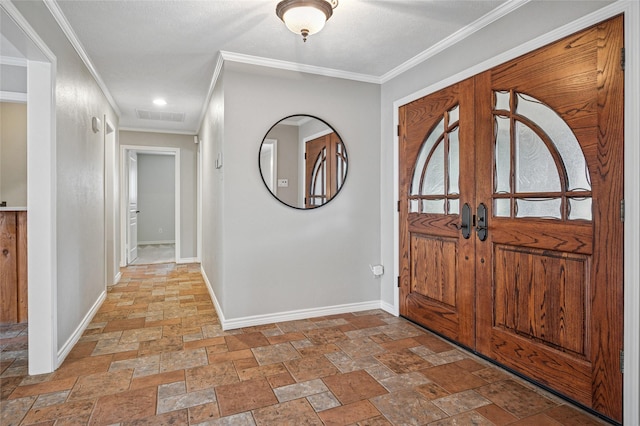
303 161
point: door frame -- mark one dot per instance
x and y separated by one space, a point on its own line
273 150
124 194
112 272
41 190
631 10
302 173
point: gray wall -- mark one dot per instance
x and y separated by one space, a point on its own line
79 176
506 33
213 192
277 258
188 181
13 154
156 198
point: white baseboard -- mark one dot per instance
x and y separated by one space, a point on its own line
216 304
388 307
116 279
250 321
188 260
147 243
77 334
299 314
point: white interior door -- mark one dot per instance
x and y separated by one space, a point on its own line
269 164
132 234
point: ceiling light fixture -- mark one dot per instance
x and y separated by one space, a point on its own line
159 102
305 17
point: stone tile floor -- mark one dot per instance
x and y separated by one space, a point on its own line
155 253
155 354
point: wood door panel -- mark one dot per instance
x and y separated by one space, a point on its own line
23 282
543 234
8 268
444 226
541 295
440 318
599 91
609 230
568 375
434 268
544 74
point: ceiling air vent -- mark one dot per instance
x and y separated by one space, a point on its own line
160 115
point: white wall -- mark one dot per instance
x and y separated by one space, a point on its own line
13 154
79 167
504 34
156 198
276 258
188 181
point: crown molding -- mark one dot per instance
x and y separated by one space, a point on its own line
15 62
294 66
58 15
17 97
165 131
214 79
28 31
466 31
497 13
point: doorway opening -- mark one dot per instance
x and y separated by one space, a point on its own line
20 41
150 213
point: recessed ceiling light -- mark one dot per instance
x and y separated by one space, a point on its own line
159 102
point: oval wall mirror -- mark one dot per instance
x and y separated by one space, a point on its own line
303 161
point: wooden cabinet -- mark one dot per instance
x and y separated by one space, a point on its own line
13 266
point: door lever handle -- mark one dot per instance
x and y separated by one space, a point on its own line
482 226
465 226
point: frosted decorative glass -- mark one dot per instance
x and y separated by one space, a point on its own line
580 208
414 206
434 178
561 136
428 144
503 155
454 162
535 169
543 208
454 115
502 207
433 206
502 101
454 207
318 192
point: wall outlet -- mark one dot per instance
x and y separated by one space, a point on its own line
377 270
160 231
283 183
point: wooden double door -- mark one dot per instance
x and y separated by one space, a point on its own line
511 238
325 169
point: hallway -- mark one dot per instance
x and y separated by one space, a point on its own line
155 354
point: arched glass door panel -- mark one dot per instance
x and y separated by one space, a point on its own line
436 173
539 167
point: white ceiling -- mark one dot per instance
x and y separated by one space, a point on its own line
147 49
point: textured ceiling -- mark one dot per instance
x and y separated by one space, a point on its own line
169 49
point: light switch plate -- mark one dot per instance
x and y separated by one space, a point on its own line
283 183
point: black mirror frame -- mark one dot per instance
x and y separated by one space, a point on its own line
262 175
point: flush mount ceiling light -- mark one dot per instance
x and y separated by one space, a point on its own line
159 102
305 17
